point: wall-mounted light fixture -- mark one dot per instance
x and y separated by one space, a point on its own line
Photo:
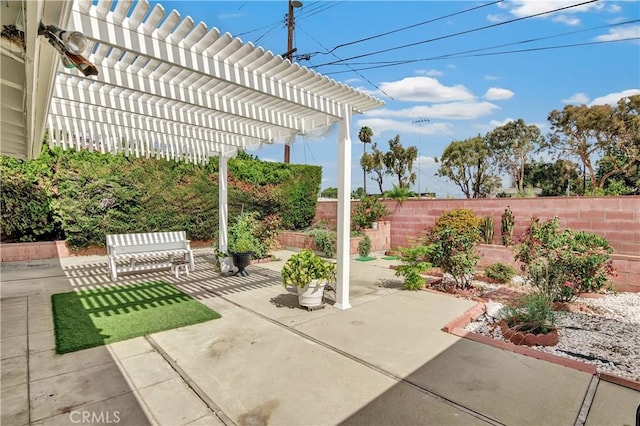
70 44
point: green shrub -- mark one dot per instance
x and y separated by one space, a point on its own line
459 221
326 240
500 272
300 196
455 254
82 196
364 246
413 262
531 313
564 264
453 239
26 214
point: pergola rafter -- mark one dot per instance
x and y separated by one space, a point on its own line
170 88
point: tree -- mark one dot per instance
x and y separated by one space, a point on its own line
611 134
469 165
554 179
365 134
329 193
399 162
512 145
374 163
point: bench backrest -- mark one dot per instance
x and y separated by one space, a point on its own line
147 241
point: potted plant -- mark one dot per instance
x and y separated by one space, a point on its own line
530 321
368 212
242 242
309 274
225 261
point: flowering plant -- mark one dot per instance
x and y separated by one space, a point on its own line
369 210
564 263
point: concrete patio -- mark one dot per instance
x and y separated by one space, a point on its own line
266 361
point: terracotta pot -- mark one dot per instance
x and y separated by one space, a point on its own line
528 339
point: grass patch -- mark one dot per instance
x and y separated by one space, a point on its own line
96 317
365 259
391 258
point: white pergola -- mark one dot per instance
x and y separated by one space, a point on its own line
170 88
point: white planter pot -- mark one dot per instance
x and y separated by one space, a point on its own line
226 264
374 225
311 295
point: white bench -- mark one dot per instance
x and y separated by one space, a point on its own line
131 247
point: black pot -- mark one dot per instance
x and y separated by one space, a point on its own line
241 261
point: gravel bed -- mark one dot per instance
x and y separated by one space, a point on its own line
603 332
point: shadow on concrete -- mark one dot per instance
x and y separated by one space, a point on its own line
202 283
289 300
470 383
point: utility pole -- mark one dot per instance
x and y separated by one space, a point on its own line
419 122
290 26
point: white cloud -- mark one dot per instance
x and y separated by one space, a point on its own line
496 18
613 98
231 15
430 73
565 19
576 98
498 93
614 8
271 160
352 80
487 127
620 33
491 77
425 89
444 111
425 161
522 8
382 125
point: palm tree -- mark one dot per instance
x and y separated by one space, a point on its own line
365 134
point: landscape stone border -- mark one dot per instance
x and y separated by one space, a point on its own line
457 325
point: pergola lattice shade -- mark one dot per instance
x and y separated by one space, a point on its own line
172 89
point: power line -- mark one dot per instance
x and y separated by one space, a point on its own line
404 28
377 52
349 66
456 56
531 40
324 8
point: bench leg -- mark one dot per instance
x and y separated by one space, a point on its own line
192 264
113 269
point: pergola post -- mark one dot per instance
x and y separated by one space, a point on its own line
223 210
344 210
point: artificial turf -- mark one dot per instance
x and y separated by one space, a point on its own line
365 259
91 318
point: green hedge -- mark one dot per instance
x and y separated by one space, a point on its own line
81 196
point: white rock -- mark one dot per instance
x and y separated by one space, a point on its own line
494 310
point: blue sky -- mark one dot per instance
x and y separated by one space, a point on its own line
460 95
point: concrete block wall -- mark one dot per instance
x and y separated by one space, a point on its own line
15 252
380 239
615 218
